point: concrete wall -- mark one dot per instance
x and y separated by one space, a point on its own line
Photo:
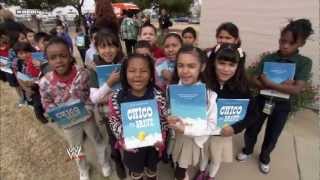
260 22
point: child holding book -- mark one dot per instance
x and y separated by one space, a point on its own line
68 83
109 52
189 36
164 66
227 32
24 66
41 40
137 80
226 76
190 139
149 33
15 37
293 36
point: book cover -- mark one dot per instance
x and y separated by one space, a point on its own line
165 65
69 114
3 60
189 103
23 77
141 123
104 71
231 111
80 41
6 69
278 73
4 65
39 56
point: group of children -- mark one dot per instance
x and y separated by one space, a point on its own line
221 69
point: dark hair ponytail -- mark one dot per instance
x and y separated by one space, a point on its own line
300 29
231 28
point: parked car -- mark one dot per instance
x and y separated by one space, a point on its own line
194 20
181 19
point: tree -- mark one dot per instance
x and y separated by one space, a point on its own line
51 4
38 4
78 6
177 7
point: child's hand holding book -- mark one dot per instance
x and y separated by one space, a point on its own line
123 146
227 131
177 124
166 74
114 78
36 63
266 82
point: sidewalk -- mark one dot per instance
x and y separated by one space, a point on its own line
296 156
30 150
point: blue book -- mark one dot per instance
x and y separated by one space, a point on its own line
231 111
39 56
23 77
141 123
278 73
104 71
4 60
69 114
165 65
4 65
189 103
80 41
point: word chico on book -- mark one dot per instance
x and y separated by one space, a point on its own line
139 113
231 110
69 113
141 123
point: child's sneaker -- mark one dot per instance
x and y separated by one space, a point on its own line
264 168
84 174
21 103
202 175
242 157
106 170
